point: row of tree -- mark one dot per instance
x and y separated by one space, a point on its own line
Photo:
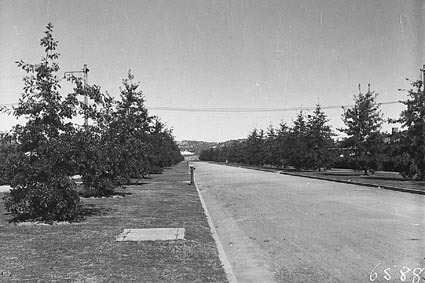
122 142
310 142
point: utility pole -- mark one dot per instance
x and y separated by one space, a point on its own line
423 78
85 72
86 100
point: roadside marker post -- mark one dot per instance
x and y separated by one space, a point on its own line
192 172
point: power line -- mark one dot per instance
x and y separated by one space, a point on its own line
237 110
240 110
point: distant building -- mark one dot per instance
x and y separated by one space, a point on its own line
189 155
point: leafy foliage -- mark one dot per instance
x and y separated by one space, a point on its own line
412 139
163 152
92 153
254 148
129 130
307 145
123 142
41 188
363 122
320 145
298 155
8 152
52 200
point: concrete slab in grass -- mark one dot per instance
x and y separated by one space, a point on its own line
152 234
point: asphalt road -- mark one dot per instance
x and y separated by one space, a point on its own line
278 228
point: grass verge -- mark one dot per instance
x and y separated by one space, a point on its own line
380 178
87 251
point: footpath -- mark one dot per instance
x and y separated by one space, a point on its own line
382 180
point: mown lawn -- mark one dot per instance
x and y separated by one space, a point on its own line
87 251
380 178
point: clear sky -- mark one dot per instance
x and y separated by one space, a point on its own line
224 54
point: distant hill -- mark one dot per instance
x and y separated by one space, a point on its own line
230 142
195 146
198 146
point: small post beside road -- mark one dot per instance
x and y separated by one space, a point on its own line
192 177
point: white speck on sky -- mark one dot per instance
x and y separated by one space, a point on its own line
224 54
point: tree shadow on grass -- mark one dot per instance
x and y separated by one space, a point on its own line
345 174
90 210
386 178
107 194
138 184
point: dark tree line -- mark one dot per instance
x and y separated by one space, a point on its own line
122 142
309 143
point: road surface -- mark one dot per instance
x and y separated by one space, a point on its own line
278 228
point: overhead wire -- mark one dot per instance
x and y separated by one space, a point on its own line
240 110
188 109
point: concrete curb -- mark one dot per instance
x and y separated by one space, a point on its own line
385 187
222 255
